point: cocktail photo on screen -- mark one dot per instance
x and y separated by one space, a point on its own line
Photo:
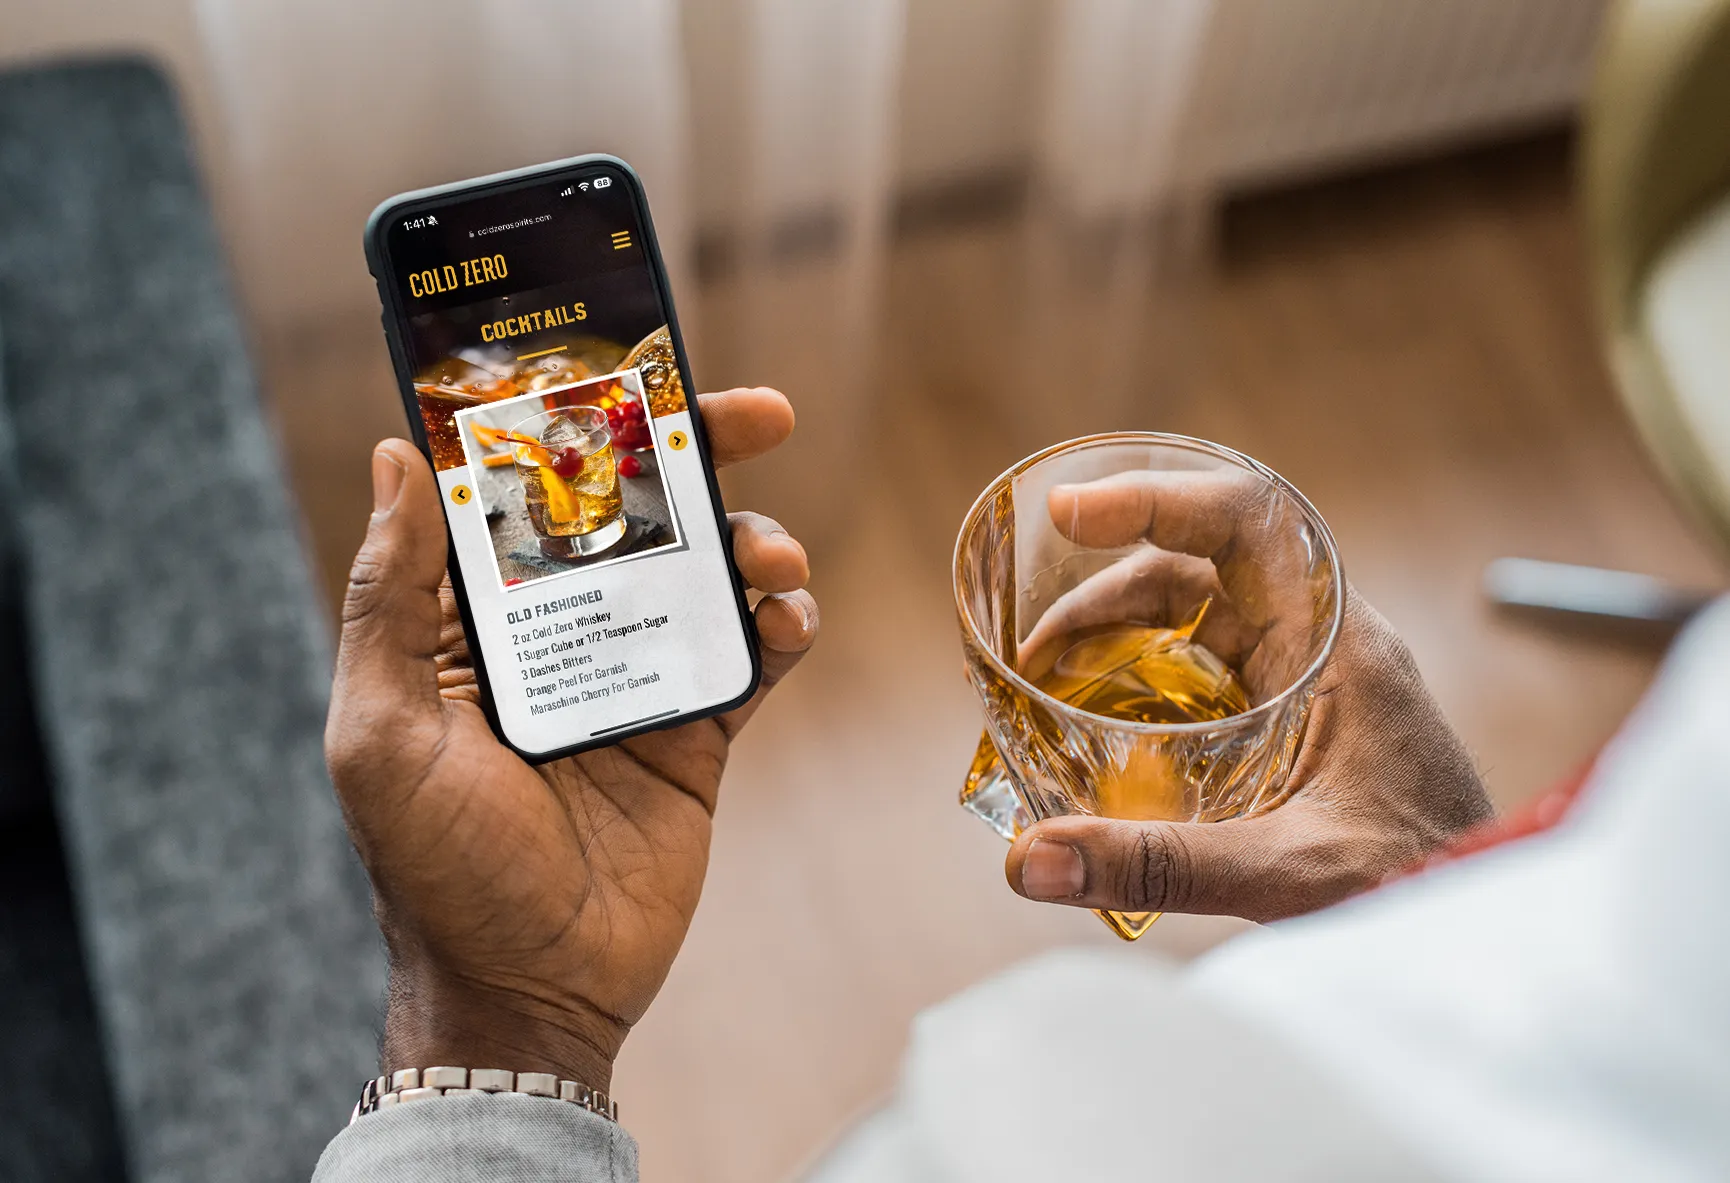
568 478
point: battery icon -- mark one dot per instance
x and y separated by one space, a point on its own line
603 182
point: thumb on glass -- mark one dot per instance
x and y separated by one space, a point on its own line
1237 868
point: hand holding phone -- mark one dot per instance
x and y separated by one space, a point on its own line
531 913
533 333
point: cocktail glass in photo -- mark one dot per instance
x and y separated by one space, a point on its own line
570 477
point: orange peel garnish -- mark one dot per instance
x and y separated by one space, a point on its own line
562 504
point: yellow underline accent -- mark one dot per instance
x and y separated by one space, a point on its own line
542 353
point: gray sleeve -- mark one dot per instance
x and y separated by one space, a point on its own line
480 1139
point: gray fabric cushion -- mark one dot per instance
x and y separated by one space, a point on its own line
58 1121
61 1129
23 783
178 656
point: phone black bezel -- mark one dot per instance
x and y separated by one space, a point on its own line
394 322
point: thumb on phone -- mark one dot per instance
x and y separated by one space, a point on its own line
385 670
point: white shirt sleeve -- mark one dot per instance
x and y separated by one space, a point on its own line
1106 1066
1557 1008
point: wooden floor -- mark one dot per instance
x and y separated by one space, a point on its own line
1413 349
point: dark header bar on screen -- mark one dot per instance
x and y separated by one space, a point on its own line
497 244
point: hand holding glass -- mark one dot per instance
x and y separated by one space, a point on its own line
1145 618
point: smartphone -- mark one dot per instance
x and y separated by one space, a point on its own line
532 330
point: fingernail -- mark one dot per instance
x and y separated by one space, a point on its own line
1052 871
798 607
387 474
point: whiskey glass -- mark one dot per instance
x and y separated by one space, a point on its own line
1178 548
570 478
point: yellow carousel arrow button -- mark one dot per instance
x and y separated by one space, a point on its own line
677 441
461 494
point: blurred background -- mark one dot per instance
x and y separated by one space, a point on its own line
1343 236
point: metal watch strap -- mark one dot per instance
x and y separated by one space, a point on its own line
423 1084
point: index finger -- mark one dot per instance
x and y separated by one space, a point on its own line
1246 526
1147 586
745 423
1197 513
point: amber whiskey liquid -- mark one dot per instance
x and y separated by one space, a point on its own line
1144 674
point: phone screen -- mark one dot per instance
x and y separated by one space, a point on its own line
533 321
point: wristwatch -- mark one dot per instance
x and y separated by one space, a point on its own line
423 1084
